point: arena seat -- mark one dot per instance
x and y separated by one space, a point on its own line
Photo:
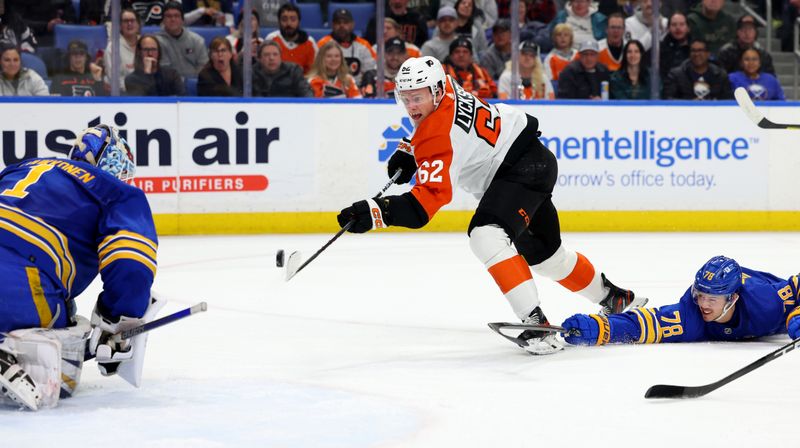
34 63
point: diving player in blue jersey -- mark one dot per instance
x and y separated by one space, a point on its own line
63 222
726 303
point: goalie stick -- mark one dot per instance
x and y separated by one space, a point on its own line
754 115
292 267
669 391
168 319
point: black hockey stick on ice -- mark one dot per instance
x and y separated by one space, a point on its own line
754 115
291 271
160 322
668 391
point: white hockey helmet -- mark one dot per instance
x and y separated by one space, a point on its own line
416 73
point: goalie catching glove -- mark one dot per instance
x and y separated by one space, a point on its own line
366 215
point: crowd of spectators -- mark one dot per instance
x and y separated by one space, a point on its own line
581 49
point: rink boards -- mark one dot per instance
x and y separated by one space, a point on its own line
286 167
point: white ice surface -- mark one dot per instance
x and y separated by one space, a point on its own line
382 341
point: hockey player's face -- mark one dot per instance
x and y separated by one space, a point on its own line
418 103
710 305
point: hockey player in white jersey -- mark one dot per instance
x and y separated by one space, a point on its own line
493 152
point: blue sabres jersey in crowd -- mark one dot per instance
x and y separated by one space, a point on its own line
69 221
765 304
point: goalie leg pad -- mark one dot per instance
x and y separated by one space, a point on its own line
492 245
52 357
574 272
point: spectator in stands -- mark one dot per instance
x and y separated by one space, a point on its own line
268 11
395 54
675 46
761 86
481 13
696 78
182 49
130 25
563 51
730 54
149 78
15 32
791 10
639 24
16 80
221 76
709 22
273 77
427 9
535 30
414 28
439 45
208 12
235 38
463 69
586 21
391 29
543 11
358 53
91 12
329 77
295 44
81 76
43 15
467 26
611 53
632 80
150 11
494 59
581 79
534 84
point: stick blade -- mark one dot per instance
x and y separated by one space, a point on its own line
292 264
743 98
669 391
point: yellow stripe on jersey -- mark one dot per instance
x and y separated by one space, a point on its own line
47 238
794 280
130 235
795 312
128 255
651 331
124 243
42 307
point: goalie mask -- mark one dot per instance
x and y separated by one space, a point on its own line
101 146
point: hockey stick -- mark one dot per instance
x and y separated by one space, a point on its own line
291 271
168 319
497 327
668 391
754 115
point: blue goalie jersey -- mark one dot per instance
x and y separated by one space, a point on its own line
765 304
61 223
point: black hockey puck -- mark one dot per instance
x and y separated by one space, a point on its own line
279 258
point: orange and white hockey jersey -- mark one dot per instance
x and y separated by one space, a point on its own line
461 144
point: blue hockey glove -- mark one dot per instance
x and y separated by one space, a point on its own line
585 329
367 215
794 327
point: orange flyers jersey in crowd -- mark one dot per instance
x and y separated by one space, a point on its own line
358 54
462 143
301 54
606 58
475 80
554 63
324 88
